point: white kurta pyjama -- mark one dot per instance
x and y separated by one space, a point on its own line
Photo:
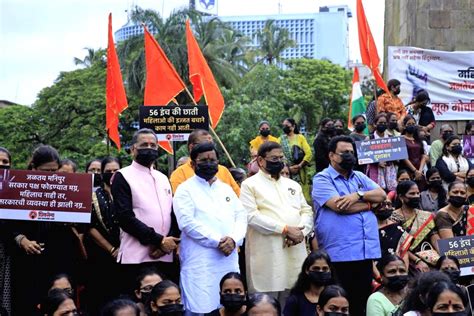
206 213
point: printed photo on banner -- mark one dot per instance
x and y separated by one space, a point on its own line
468 146
452 88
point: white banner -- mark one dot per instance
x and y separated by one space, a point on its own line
206 6
447 76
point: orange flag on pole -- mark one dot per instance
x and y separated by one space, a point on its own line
368 50
202 79
116 100
163 83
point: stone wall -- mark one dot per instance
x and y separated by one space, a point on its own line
432 24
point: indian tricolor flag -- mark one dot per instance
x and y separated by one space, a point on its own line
357 103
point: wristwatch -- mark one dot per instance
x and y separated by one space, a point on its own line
361 195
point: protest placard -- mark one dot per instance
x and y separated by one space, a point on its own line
381 149
45 196
462 248
172 122
447 76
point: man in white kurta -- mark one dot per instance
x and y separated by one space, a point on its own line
209 215
277 212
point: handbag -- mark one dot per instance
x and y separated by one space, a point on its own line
297 154
428 254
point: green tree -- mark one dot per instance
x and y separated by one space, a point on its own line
93 56
315 89
273 40
257 98
223 48
19 133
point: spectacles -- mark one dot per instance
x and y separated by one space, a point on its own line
276 159
146 289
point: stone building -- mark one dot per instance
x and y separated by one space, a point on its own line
432 24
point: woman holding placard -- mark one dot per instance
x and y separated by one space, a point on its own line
383 173
43 249
5 163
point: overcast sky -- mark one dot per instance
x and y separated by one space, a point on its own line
40 38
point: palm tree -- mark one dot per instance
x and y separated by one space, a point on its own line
222 47
92 57
273 40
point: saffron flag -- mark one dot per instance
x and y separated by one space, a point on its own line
368 50
116 100
357 102
163 83
202 79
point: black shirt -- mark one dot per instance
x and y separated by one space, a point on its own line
128 222
321 151
426 116
298 305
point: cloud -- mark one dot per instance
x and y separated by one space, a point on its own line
41 38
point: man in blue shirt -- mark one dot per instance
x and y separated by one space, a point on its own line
345 226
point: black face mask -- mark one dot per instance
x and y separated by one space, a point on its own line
413 202
106 177
397 92
232 302
457 201
463 313
360 127
274 167
381 128
331 130
97 180
5 167
393 125
456 150
397 282
348 161
470 181
334 314
146 156
412 129
264 132
339 131
145 299
206 170
286 129
446 135
436 184
453 275
320 278
171 310
384 213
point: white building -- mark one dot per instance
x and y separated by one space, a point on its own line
320 35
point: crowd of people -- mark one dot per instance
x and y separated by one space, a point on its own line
272 240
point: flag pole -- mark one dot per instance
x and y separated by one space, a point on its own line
108 146
214 134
